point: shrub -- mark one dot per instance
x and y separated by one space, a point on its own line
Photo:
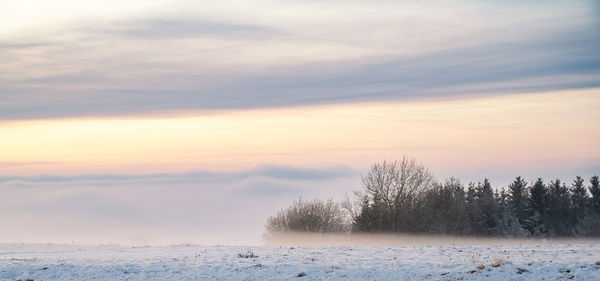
247 255
315 216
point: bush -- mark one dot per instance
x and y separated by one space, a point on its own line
315 216
247 255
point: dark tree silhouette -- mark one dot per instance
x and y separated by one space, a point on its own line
595 191
579 201
538 202
517 199
402 196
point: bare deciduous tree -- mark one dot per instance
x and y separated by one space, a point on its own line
397 180
389 189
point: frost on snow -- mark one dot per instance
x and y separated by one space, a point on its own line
187 262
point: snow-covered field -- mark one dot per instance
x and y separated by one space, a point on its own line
531 261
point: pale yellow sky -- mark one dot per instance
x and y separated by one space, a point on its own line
560 128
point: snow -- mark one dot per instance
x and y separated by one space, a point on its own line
190 262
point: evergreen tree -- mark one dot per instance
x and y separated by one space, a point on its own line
579 200
452 216
595 191
470 212
487 208
559 209
538 201
508 224
518 201
590 224
371 216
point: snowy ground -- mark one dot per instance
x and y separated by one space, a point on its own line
540 261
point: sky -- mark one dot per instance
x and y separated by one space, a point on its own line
157 122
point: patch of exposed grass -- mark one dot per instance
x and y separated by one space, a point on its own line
499 261
247 255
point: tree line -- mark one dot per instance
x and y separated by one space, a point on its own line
403 197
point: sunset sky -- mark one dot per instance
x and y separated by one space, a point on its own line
192 121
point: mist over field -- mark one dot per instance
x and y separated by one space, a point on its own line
311 239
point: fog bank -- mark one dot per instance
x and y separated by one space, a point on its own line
293 239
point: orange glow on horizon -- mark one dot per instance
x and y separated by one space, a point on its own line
487 131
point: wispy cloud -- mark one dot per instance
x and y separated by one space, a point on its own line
151 63
177 28
568 61
265 171
23 45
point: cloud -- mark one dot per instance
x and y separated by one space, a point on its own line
265 171
260 186
177 28
282 172
23 45
84 207
150 64
568 61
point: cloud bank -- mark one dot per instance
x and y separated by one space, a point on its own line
211 60
199 207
